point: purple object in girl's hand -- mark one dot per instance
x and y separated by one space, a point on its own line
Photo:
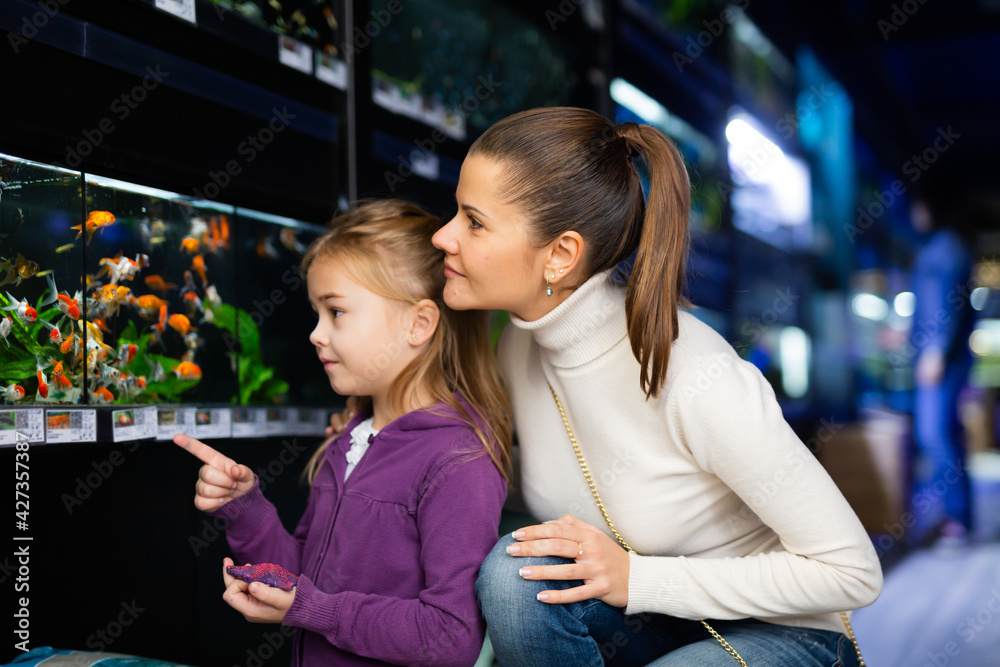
265 573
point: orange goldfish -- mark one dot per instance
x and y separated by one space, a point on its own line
67 344
198 264
63 382
187 370
149 305
68 306
103 395
190 244
179 323
43 387
101 324
224 231
159 284
214 235
158 327
96 220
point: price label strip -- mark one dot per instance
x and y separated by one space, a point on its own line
295 54
171 421
16 424
331 71
280 422
133 424
312 422
249 422
212 423
70 426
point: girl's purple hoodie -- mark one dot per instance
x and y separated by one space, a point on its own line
387 561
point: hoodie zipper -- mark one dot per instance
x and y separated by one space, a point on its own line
329 530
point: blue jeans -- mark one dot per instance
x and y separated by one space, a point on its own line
527 632
938 433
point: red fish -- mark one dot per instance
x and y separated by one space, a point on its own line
43 387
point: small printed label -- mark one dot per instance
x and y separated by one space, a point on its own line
22 425
70 426
133 424
332 71
295 54
279 422
249 422
180 8
212 423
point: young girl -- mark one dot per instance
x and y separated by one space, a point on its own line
405 505
731 518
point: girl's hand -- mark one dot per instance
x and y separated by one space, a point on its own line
603 567
259 603
220 480
339 421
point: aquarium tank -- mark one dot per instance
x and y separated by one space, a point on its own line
274 318
116 293
313 22
462 66
41 352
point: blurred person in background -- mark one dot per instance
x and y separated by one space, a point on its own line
942 324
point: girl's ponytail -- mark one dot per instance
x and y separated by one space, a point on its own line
655 288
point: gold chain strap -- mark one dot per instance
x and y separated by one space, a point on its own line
621 540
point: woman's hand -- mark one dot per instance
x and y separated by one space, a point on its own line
339 421
603 566
220 480
259 603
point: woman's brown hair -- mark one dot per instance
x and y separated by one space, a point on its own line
387 245
572 169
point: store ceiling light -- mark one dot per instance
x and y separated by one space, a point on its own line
904 304
869 306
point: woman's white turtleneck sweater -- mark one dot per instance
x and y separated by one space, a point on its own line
732 514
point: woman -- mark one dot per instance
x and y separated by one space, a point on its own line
731 517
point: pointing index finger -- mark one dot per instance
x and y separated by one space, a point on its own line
205 453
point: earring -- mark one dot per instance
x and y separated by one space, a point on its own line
413 337
561 270
548 287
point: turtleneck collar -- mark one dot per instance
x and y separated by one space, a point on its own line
584 326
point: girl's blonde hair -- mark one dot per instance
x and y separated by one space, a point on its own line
387 245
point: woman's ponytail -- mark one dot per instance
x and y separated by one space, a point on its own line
655 288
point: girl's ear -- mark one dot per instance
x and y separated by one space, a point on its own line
426 315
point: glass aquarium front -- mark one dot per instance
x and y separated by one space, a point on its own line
115 293
41 358
277 362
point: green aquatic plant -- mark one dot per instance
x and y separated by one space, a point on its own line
256 382
169 388
20 357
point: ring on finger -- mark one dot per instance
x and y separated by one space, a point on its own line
579 549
